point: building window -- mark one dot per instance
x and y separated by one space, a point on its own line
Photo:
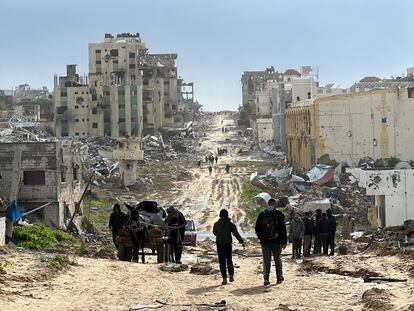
298 98
121 120
94 97
65 134
76 107
76 120
115 61
106 93
94 125
34 177
97 51
76 134
98 62
94 110
410 91
121 92
63 94
309 95
114 52
131 66
131 55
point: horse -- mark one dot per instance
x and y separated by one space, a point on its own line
138 231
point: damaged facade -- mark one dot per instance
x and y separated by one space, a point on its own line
394 201
350 127
128 92
38 173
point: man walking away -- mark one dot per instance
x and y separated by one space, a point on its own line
331 232
307 237
176 224
117 221
322 227
223 230
210 169
296 232
271 231
227 168
216 158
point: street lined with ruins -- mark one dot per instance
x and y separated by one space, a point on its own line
206 155
323 283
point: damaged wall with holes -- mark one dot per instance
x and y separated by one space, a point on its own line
129 155
394 199
376 124
36 173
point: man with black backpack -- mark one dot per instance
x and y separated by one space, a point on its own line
271 231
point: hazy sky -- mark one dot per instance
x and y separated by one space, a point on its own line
216 40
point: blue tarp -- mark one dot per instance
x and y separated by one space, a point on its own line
13 213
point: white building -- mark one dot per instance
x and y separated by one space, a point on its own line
394 199
264 131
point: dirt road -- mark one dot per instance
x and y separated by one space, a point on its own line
324 283
320 283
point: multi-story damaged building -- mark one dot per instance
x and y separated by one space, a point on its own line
129 91
37 174
102 110
350 127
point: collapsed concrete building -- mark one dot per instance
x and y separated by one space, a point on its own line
394 201
37 174
129 155
128 92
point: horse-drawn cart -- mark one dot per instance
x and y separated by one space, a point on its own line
151 235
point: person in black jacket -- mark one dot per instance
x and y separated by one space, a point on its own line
271 231
322 227
117 221
176 224
223 230
331 232
317 243
307 238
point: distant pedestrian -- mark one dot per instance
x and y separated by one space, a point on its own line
210 169
331 232
271 230
227 168
199 163
206 158
223 229
307 237
322 227
216 158
117 221
296 232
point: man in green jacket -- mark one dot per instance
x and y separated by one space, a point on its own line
223 230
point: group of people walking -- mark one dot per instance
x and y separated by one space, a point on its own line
272 233
270 229
319 228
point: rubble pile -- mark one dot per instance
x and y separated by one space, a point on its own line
17 130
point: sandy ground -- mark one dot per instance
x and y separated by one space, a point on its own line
321 283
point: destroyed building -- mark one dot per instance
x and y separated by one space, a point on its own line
83 110
128 92
129 155
349 127
37 174
33 105
394 201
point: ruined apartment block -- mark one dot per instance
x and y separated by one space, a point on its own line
109 110
349 127
37 173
